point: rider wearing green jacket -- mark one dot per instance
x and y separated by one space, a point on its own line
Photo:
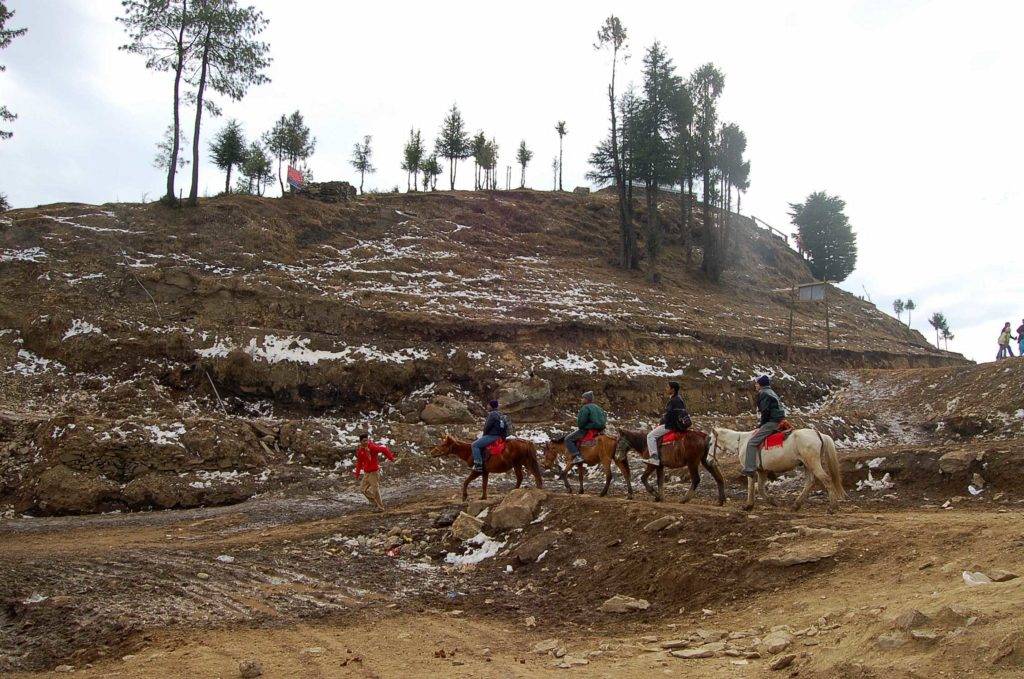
590 417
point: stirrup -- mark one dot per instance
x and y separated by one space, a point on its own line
654 461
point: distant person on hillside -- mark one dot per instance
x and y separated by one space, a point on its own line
590 417
676 418
1004 342
495 427
369 468
772 413
1020 338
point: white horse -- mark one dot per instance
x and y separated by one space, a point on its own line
815 451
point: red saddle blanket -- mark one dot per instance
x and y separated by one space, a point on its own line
672 436
590 438
777 439
497 448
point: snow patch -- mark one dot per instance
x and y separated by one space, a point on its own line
80 327
484 548
23 255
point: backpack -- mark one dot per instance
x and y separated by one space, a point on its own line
506 425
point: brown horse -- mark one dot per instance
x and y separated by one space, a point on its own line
518 453
603 453
690 451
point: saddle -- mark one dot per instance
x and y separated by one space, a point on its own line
496 449
590 438
778 439
673 436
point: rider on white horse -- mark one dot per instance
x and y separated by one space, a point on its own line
676 418
772 413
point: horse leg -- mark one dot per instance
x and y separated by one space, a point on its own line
519 474
694 480
623 466
581 466
565 476
719 481
465 484
647 484
607 476
661 484
762 492
485 475
750 494
808 485
826 483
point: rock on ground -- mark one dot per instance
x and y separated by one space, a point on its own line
624 604
465 526
517 509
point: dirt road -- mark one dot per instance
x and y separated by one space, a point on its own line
319 586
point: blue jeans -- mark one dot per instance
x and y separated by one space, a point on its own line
478 448
571 439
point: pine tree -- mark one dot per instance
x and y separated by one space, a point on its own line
477 148
909 306
523 157
230 60
160 30
453 143
290 139
555 169
705 86
412 158
256 168
656 132
938 322
228 150
897 307
362 159
431 171
560 129
826 235
947 335
7 35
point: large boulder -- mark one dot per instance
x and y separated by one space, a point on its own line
959 462
517 509
530 550
446 410
529 398
810 552
465 526
60 490
624 604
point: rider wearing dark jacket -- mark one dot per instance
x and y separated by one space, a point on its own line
676 418
772 413
494 429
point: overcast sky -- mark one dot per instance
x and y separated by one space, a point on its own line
910 111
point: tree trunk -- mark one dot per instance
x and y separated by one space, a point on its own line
362 175
193 194
559 162
227 182
711 254
280 180
179 66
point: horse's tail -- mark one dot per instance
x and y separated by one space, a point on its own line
533 465
830 456
622 447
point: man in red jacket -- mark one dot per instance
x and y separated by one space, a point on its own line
367 465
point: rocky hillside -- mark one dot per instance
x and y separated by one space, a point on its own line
147 355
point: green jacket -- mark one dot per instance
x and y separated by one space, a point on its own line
591 417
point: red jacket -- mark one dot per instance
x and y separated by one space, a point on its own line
366 457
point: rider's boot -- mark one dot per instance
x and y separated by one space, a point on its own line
654 460
577 459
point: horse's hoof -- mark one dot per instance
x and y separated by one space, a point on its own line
721 503
747 508
794 508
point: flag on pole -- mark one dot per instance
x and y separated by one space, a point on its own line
294 178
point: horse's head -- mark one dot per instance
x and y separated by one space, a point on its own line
445 447
551 451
